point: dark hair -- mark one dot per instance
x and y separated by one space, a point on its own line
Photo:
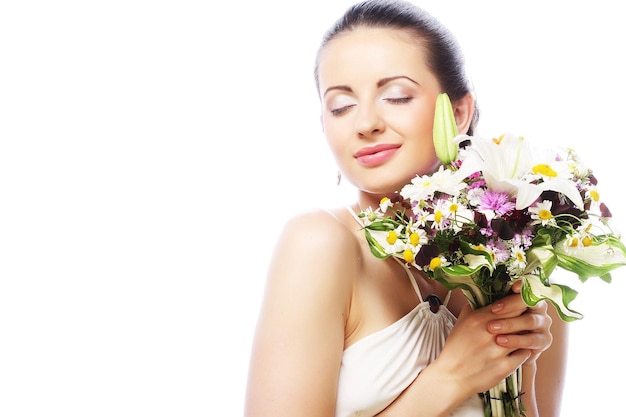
443 53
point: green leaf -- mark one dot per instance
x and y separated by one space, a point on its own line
534 290
597 260
464 278
375 247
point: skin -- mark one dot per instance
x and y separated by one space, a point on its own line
325 290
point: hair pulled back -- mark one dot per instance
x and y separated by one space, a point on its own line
443 53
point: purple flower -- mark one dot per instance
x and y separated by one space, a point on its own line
477 184
498 250
495 202
524 239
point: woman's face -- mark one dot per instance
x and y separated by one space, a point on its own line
378 104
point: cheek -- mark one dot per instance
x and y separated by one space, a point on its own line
335 136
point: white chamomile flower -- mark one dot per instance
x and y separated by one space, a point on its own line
460 214
440 214
393 240
385 204
542 213
436 263
420 217
592 194
518 257
581 237
416 236
421 188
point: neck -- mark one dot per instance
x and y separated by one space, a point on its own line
366 200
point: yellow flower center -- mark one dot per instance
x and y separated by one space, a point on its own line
454 207
545 170
384 200
408 255
587 241
435 263
519 256
498 140
392 236
544 214
595 196
573 242
414 238
438 216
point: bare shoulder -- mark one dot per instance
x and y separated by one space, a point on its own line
322 230
314 266
318 243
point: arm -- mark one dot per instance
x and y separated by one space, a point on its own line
299 339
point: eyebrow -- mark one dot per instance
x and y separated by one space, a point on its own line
379 84
384 81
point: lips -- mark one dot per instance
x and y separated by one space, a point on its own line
377 154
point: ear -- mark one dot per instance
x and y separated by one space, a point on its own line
464 112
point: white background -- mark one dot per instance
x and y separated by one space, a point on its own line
150 152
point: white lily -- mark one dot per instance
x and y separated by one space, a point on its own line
509 163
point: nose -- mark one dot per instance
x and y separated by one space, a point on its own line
368 122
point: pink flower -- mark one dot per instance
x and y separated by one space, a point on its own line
494 203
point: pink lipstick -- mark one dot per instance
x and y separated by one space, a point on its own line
377 154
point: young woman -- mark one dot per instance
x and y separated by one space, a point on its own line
342 333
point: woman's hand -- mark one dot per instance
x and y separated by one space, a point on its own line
489 343
520 327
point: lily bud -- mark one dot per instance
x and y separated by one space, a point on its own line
445 130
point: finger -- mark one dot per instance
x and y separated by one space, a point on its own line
518 357
531 321
510 303
509 306
534 342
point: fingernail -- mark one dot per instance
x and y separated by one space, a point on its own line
497 306
502 340
495 326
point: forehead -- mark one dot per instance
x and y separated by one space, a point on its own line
364 53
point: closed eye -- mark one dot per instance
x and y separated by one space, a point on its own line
399 100
339 111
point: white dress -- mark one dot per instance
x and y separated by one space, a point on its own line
377 369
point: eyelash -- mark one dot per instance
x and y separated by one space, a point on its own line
340 110
400 100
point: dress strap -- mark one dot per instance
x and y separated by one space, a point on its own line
411 278
356 217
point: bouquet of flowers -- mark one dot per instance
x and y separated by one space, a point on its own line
497 211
